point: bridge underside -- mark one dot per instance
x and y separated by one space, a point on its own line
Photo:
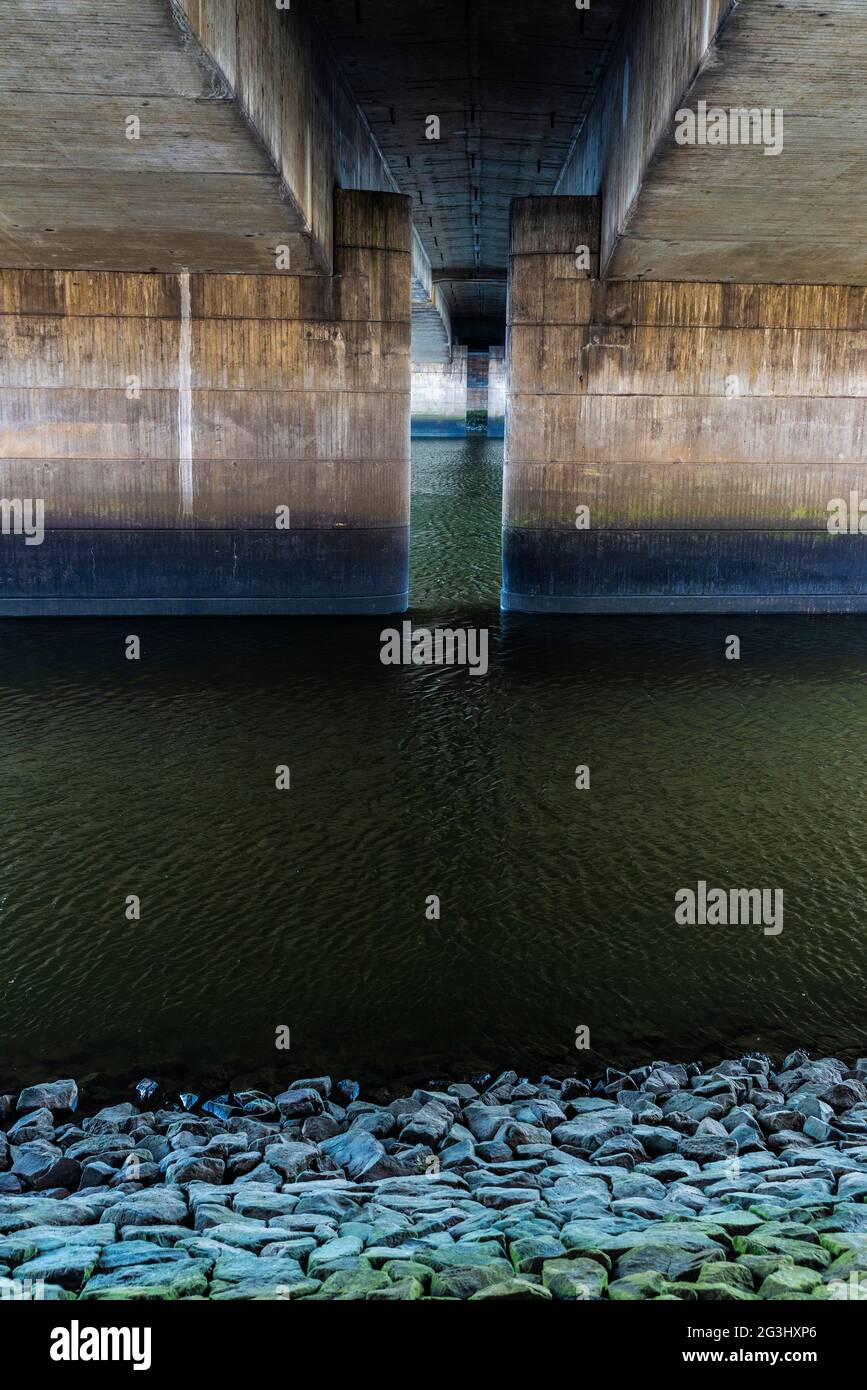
239 245
681 429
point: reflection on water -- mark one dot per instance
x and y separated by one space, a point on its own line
457 488
307 908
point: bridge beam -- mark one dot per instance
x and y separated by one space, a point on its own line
721 208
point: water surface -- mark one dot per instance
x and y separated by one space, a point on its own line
307 908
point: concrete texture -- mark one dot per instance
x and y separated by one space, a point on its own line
196 190
439 398
164 498
286 84
510 84
496 393
705 427
729 212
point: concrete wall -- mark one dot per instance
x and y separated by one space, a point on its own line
464 396
163 419
439 397
497 393
706 427
283 76
655 62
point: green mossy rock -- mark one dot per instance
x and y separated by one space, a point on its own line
575 1279
514 1289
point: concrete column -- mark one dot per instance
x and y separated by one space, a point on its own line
439 397
677 446
477 393
212 443
496 393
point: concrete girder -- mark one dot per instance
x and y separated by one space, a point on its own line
200 135
124 150
729 212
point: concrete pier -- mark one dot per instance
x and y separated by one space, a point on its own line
439 397
306 212
496 393
676 446
213 443
465 395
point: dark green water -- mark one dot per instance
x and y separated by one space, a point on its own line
307 908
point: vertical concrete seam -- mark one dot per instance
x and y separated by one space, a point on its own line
185 398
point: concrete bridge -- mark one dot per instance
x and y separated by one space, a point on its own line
235 235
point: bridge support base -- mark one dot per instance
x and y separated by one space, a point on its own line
211 443
677 446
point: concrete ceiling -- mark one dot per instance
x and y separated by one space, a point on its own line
729 212
510 83
196 189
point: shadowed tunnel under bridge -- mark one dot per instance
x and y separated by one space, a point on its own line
244 248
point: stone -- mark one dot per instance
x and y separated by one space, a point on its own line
68 1266
319 1127
356 1282
251 1278
195 1169
149 1282
707 1148
464 1281
758 1196
300 1104
322 1084
574 1279
722 1291
408 1288
153 1207
671 1261
718 1272
359 1155
290 1159
637 1286
137 1253
334 1254
40 1168
588 1131
529 1253
36 1124
790 1281
514 1289
55 1096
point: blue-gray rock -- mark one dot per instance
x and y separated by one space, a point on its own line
361 1157
45 1167
300 1104
322 1084
429 1125
197 1168
178 1279
587 1131
56 1096
36 1124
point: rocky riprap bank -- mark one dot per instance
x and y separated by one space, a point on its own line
669 1181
